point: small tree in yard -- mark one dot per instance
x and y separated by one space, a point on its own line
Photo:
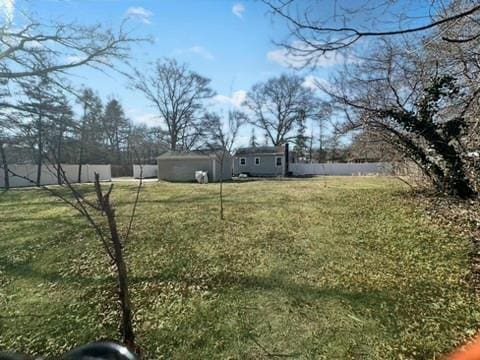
100 214
223 139
38 52
3 158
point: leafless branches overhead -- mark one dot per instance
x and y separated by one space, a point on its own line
38 49
316 28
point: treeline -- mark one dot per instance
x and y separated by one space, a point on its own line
49 124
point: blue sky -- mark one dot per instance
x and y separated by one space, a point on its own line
229 42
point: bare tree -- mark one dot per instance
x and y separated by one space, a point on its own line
100 215
5 140
48 52
278 105
417 89
29 51
223 138
422 109
177 93
148 143
317 27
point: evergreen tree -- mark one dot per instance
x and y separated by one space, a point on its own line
90 129
41 107
301 140
116 128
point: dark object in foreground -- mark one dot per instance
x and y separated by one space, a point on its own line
93 351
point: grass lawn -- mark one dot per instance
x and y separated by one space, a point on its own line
325 268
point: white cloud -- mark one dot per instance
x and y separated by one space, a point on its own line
310 82
238 9
73 59
139 13
7 8
236 99
314 82
199 50
294 59
196 50
140 117
34 44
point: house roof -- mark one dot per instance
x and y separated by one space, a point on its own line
260 150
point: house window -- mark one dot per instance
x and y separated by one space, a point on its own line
243 161
278 161
257 161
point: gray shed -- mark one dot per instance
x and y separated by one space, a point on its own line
181 166
260 161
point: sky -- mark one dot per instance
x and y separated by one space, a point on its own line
230 42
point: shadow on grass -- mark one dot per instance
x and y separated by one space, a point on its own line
222 282
41 204
306 292
25 270
64 220
226 282
172 200
212 198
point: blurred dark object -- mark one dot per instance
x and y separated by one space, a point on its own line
100 351
93 351
12 356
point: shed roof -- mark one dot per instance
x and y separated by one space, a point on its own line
193 154
260 150
183 155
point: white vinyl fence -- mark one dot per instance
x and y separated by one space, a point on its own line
148 171
379 168
49 174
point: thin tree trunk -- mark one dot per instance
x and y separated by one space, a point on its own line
80 158
310 148
82 143
6 177
122 276
173 143
59 156
320 142
221 187
40 151
117 147
221 195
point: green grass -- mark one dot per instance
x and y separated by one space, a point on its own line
330 268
